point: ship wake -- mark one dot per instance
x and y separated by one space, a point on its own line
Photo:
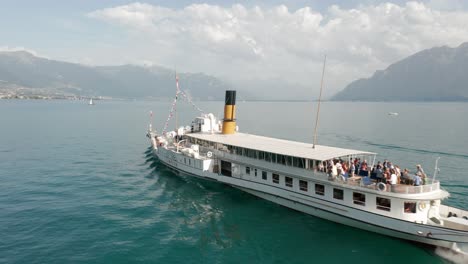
454 255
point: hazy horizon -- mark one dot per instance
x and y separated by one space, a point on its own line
243 41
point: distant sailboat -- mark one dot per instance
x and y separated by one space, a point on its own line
91 101
393 113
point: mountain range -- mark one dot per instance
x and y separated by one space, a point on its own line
436 74
22 71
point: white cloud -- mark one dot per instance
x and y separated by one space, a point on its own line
243 43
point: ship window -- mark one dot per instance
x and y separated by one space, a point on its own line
410 207
185 160
189 162
238 151
264 175
288 181
247 170
383 204
284 160
319 189
289 161
261 155
302 163
251 153
268 156
298 162
280 159
275 178
338 194
303 185
255 172
273 157
359 198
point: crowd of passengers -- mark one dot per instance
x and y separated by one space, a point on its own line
385 172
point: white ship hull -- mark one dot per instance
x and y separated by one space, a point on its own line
322 208
312 179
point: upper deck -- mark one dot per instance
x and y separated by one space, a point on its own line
299 159
279 146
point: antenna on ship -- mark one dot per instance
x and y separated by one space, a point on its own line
436 169
151 121
175 107
319 100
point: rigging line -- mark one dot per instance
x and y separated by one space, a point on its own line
184 95
319 100
174 104
187 98
170 115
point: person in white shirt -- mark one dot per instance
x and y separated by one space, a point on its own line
339 168
393 178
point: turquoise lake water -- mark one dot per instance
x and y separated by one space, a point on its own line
77 184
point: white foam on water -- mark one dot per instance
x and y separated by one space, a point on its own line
454 255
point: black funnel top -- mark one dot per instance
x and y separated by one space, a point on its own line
230 97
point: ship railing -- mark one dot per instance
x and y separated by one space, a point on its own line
408 189
444 211
398 188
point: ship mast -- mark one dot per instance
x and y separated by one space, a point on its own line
175 107
319 100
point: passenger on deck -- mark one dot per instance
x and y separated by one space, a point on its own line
364 165
345 168
398 171
419 170
425 180
379 165
330 168
417 180
393 178
357 164
339 167
320 167
333 169
379 173
406 177
385 163
420 173
386 175
352 170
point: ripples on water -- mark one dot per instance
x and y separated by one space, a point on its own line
80 185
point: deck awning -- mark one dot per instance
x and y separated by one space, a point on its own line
279 146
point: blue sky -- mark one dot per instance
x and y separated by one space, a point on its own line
252 39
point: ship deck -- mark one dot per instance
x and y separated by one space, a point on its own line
279 146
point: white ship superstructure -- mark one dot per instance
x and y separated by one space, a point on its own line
293 174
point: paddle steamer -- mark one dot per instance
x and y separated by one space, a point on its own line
290 173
